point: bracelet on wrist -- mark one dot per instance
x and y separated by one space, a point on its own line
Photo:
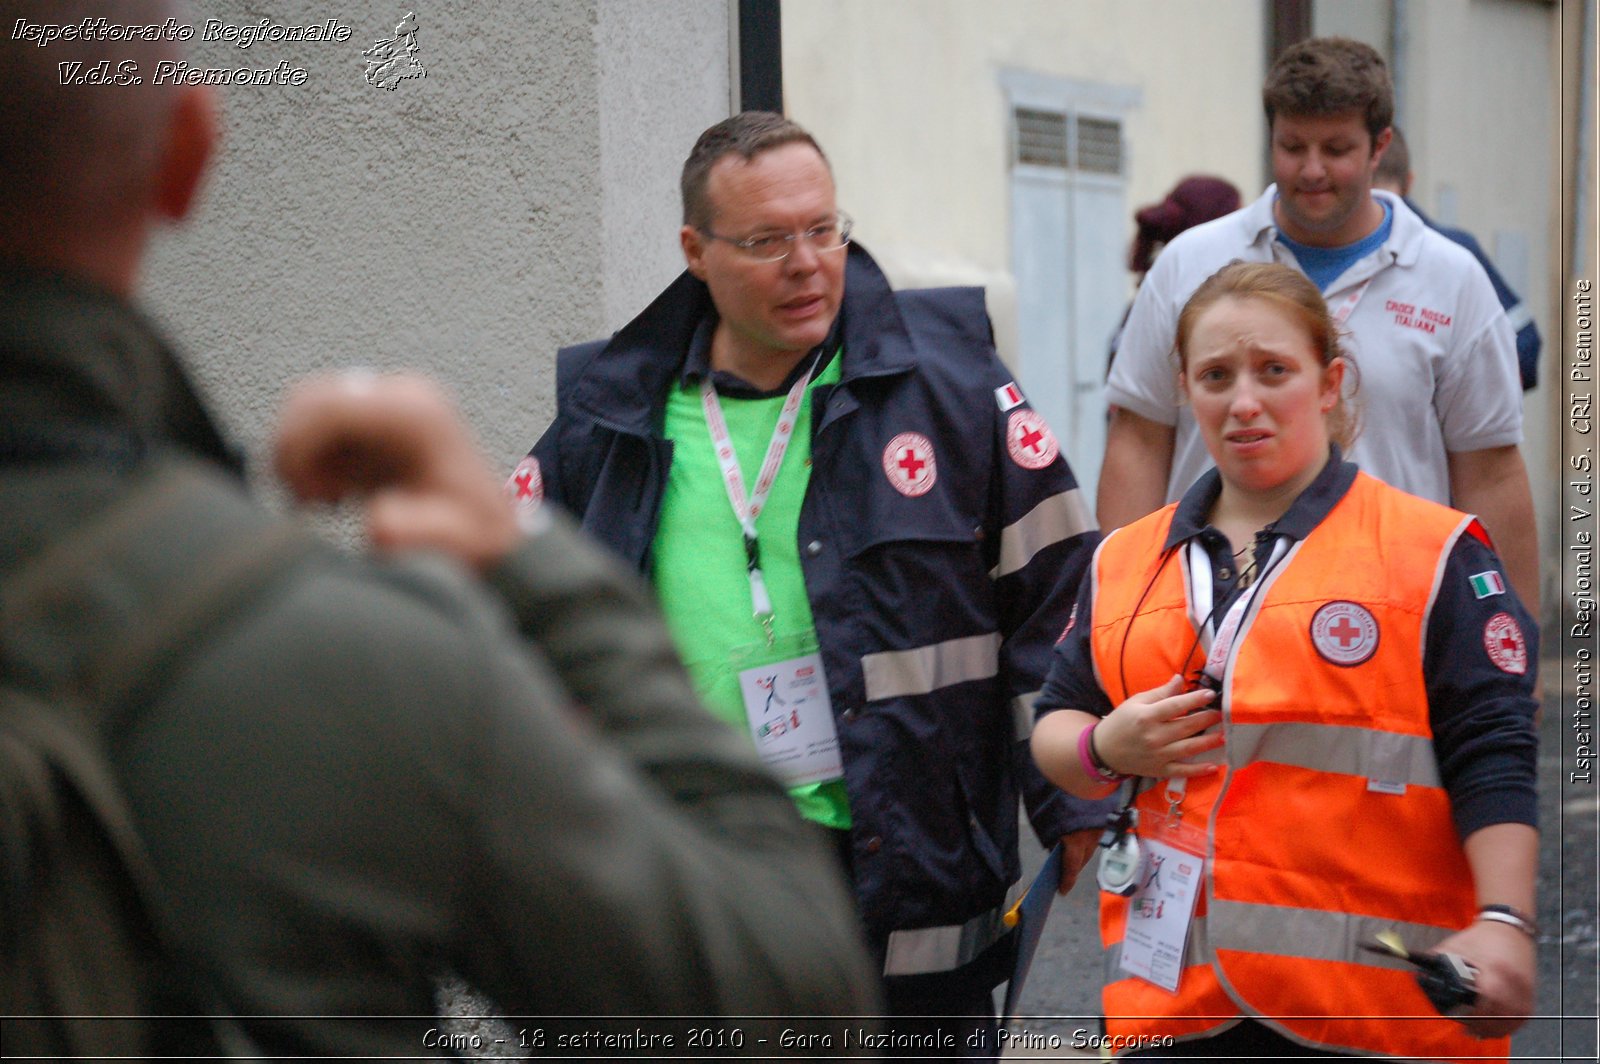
1505 914
1095 768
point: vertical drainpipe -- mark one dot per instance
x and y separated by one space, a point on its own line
1287 22
734 30
1581 206
757 56
1400 58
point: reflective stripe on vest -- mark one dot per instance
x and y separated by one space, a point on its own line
1383 757
1060 517
1293 933
1316 934
1329 823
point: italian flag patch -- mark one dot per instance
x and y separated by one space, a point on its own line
1486 584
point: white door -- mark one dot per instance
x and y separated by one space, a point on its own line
1042 264
1068 233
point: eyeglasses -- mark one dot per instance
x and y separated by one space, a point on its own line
775 247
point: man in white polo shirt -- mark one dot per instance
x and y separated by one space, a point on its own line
1435 356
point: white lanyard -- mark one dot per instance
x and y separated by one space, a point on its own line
1219 644
1227 629
747 508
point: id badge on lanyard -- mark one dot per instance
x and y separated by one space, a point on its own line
1161 909
789 712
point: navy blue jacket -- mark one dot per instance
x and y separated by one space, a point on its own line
935 614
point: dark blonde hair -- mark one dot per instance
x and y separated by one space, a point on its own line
1290 290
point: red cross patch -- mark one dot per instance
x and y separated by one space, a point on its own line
908 463
1502 638
1030 441
1344 633
525 486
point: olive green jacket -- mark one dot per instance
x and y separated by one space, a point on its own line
372 773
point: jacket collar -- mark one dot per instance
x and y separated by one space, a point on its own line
623 387
83 373
1304 514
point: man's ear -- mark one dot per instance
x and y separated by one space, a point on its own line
1380 144
191 141
693 243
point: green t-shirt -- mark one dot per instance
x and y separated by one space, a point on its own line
699 559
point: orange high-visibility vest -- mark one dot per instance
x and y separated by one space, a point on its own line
1329 822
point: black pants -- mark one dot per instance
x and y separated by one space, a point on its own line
1246 1040
951 1009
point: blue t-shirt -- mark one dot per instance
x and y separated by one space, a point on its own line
1325 265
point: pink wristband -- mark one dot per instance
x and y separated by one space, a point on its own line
1086 759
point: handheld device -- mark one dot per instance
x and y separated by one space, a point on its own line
1449 981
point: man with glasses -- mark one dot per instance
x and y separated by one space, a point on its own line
865 542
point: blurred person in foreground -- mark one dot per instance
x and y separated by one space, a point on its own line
1321 689
376 771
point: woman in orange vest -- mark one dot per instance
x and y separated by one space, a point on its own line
1322 689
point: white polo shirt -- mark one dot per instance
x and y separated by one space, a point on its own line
1435 356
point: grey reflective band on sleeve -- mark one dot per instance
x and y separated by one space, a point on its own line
1381 756
1022 714
1056 518
921 950
923 670
1520 316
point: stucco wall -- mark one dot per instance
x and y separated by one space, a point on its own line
1365 20
520 196
905 96
663 78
